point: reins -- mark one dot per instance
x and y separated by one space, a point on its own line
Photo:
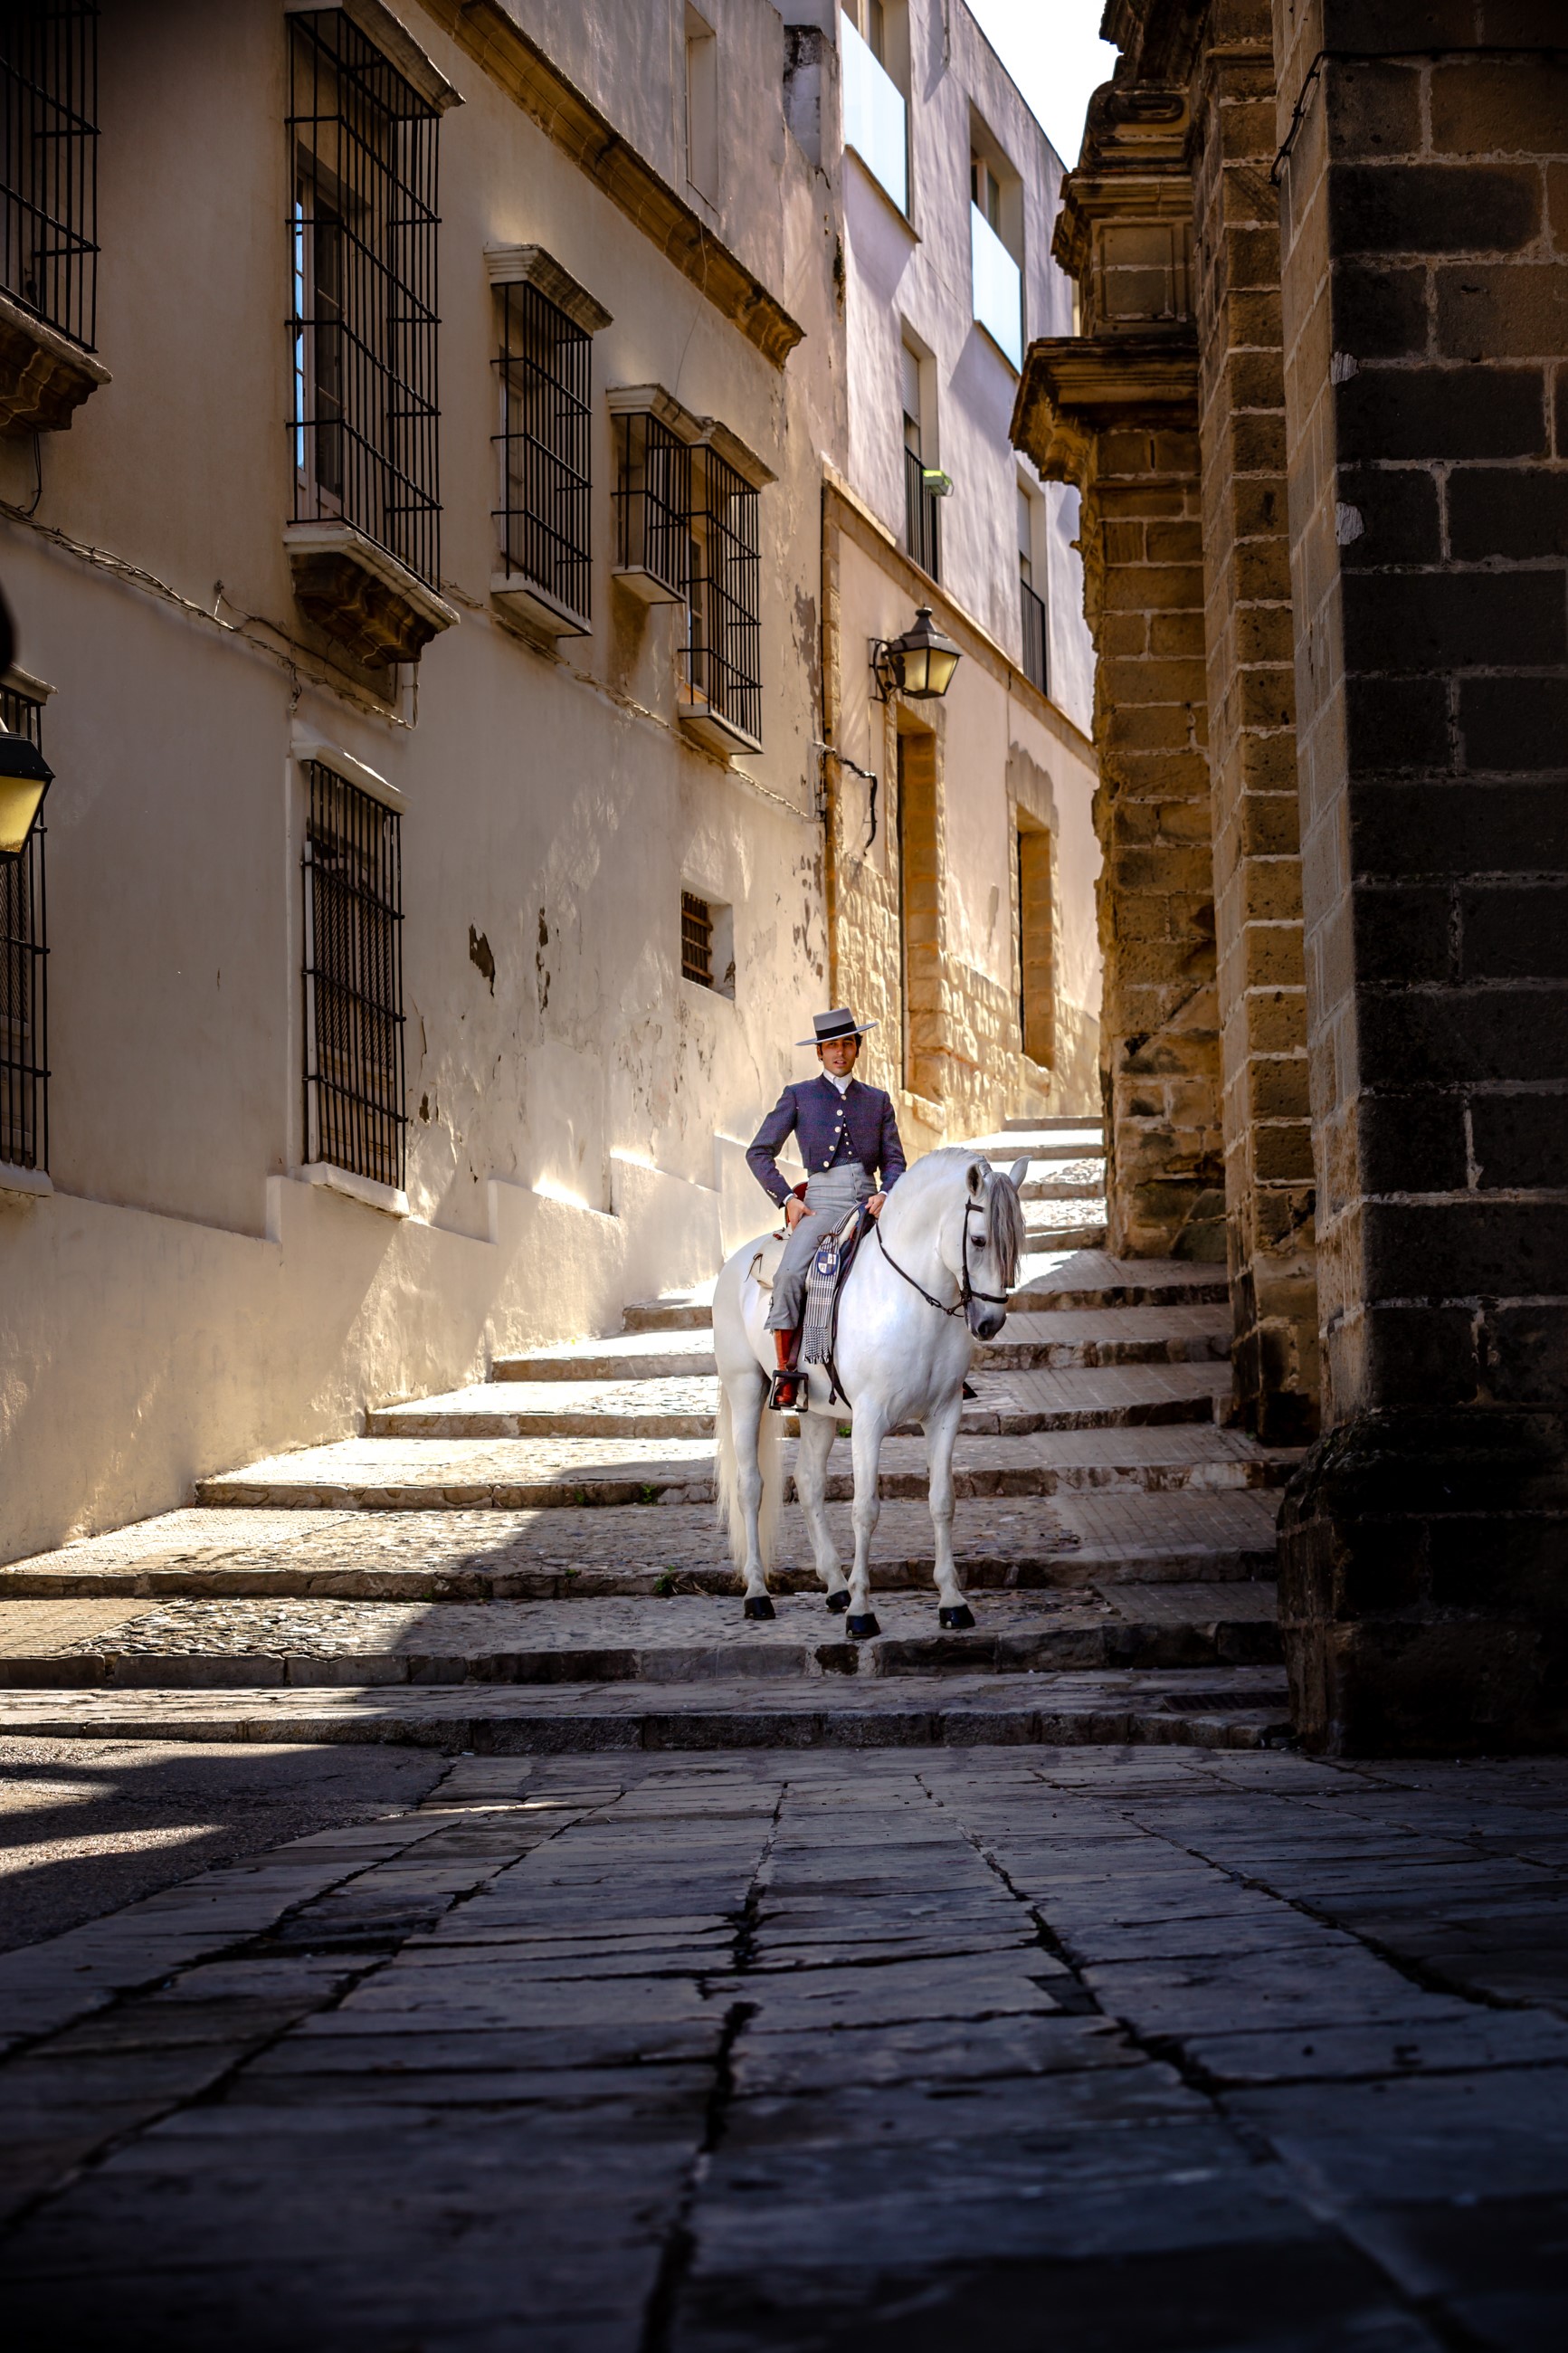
966 1291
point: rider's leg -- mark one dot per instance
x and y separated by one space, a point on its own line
817 1436
941 1431
788 1303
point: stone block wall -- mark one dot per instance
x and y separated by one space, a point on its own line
1268 1181
1425 274
1159 1028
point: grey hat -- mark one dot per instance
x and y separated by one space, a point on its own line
839 1023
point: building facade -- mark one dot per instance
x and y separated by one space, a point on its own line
1319 416
422 613
962 854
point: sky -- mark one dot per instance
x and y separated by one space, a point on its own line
1053 51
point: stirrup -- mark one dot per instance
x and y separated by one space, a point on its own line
778 1403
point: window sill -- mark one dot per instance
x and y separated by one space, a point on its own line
698 717
518 594
388 1198
32 1184
638 581
44 376
361 596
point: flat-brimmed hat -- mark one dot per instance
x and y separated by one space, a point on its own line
839 1023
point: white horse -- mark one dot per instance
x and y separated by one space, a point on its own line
930 1278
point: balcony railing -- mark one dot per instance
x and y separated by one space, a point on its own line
1037 668
998 288
875 120
922 518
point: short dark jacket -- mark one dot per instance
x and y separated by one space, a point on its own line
814 1111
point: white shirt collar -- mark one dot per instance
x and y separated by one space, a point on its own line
841 1084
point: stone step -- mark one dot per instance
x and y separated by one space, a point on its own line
1092 1278
1077 1140
1059 1339
209 1644
1085 1234
1003 1543
393 1474
1237 1708
1051 1124
1008 1405
1062 1189
630 1356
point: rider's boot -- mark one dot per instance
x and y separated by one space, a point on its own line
786 1382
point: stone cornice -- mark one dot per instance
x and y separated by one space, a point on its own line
568 117
1075 387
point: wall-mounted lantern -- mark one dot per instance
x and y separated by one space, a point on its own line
25 777
920 664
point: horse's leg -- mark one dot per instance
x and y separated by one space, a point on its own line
745 1397
818 1432
868 1431
942 1430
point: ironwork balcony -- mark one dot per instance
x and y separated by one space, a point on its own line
923 517
1037 660
48 203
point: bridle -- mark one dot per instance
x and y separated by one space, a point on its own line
966 1291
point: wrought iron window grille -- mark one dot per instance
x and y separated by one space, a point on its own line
923 515
653 507
722 659
1036 656
544 367
48 161
696 940
24 966
354 1059
363 320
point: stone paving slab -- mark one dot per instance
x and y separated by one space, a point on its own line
391 1473
547 1553
1116 1708
208 1643
566 2072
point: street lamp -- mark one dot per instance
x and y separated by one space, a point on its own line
25 777
920 664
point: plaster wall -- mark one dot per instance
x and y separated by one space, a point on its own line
181 1301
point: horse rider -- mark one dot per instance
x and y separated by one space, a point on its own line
848 1140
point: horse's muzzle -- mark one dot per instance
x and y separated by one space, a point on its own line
985 1322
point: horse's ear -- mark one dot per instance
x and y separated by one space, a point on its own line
1017 1174
978 1172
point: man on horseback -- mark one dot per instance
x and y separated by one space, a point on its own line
848 1140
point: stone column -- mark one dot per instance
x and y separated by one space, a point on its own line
1115 412
1269 1180
1425 220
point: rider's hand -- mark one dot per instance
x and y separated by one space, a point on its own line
794 1209
877 1204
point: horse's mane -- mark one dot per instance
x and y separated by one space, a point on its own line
1002 1203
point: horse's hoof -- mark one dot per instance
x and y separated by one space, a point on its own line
955 1621
860 1630
759 1606
839 1600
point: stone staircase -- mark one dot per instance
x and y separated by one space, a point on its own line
531 1563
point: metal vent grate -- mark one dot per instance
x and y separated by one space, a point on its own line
695 939
354 1118
48 160
24 951
362 330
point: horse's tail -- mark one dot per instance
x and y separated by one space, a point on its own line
730 1512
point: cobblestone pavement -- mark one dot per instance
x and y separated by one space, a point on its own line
1047 2052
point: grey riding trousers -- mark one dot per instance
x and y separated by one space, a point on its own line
830 1194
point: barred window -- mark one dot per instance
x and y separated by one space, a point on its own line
48 160
544 369
363 323
695 939
23 1064
354 1117
653 503
723 642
